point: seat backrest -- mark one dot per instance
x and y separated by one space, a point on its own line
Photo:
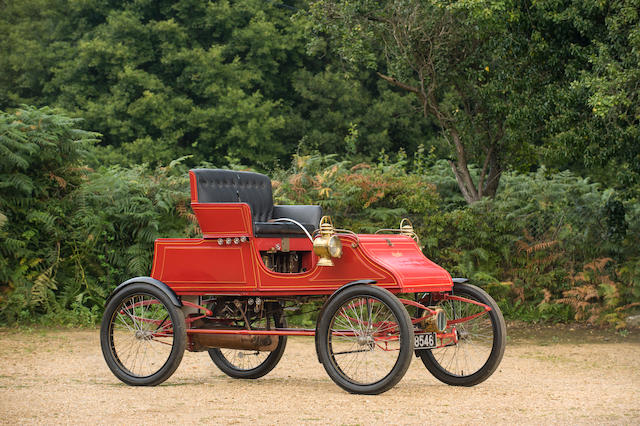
230 186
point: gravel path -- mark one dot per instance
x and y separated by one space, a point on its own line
547 376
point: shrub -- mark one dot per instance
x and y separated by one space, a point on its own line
69 235
40 167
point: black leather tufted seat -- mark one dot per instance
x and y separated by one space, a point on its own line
229 186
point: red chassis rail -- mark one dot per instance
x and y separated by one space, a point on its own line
445 338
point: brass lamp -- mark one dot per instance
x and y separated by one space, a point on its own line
327 245
406 228
436 322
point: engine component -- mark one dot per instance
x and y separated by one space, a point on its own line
284 262
201 342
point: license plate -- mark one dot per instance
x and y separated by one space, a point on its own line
424 341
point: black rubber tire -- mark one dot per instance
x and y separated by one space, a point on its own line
231 370
324 337
109 350
499 335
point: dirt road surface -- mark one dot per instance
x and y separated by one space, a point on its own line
570 376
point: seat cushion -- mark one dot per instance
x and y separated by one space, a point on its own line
281 229
304 214
230 186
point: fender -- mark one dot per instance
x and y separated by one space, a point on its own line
148 280
335 293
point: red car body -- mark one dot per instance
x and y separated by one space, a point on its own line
205 266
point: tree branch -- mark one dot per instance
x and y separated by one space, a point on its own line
400 84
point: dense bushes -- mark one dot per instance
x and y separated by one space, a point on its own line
548 247
68 233
40 168
252 82
161 79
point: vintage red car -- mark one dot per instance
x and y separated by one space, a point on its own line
230 292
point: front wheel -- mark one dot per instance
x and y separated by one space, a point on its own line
481 337
142 335
365 339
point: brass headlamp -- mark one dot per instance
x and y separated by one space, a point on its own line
327 245
406 228
437 322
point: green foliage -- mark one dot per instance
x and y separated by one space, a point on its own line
534 87
358 196
586 113
214 80
537 246
40 167
69 235
457 60
549 247
119 214
337 112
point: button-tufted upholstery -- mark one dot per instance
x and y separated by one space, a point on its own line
229 186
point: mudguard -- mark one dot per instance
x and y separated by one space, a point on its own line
148 280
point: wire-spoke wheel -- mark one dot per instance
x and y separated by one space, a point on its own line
365 339
142 335
247 364
481 336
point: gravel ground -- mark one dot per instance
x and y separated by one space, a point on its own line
555 375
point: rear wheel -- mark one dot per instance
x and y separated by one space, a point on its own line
142 335
481 339
365 339
247 364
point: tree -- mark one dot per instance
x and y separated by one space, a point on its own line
222 81
455 57
159 79
358 115
594 125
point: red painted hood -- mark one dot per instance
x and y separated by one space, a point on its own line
404 259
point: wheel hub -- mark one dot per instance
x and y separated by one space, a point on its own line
143 335
366 340
462 334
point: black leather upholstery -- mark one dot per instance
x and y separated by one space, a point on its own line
302 214
281 229
229 186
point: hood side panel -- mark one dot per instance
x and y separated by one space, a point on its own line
404 259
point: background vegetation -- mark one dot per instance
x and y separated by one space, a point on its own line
508 131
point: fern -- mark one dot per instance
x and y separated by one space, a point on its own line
42 289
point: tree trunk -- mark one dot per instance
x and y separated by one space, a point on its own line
493 179
468 195
487 183
460 170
